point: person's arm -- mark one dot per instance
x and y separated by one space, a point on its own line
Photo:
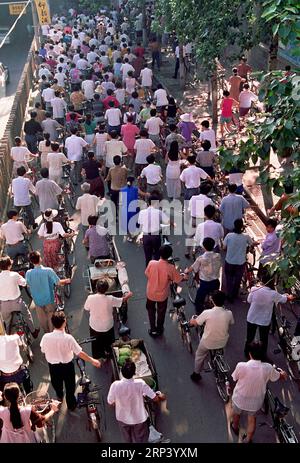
87 358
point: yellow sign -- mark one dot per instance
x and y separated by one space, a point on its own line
43 12
16 8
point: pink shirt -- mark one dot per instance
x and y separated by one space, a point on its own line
227 104
160 274
128 132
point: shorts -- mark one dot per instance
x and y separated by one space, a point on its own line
238 411
244 111
225 120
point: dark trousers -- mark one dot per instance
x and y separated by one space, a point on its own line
151 245
156 58
159 309
61 373
263 334
21 377
102 345
31 141
135 433
205 288
114 195
29 213
176 68
233 276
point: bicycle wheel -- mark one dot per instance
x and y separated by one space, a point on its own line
286 433
186 338
67 291
192 288
221 384
95 423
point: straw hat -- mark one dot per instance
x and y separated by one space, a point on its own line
50 214
186 117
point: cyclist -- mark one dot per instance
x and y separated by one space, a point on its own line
250 389
13 232
216 331
10 295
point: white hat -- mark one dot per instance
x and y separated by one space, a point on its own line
186 117
50 214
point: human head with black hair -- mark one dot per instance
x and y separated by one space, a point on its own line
288 187
208 244
173 153
109 92
172 128
287 68
165 251
218 298
11 393
130 180
102 286
18 141
33 114
267 279
246 86
129 119
153 112
271 224
91 154
55 146
234 71
206 145
232 187
191 159
205 124
256 351
12 214
44 172
226 93
150 159
35 257
205 188
238 226
113 134
111 104
21 171
144 133
92 220
5 263
117 160
74 131
58 320
128 370
209 211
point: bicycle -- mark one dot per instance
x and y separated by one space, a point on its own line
289 345
250 273
41 403
88 398
179 313
19 326
285 432
68 187
220 368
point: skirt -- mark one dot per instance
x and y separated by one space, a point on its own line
173 187
51 250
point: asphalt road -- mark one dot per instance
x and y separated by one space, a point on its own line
14 56
193 412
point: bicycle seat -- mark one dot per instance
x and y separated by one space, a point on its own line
179 302
280 410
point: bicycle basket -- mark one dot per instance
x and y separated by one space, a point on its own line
39 400
222 364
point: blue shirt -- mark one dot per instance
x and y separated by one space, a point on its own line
236 247
41 281
232 208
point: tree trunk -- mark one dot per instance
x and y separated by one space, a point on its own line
273 54
214 97
181 67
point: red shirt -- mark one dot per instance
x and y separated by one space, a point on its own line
139 51
108 99
160 274
129 132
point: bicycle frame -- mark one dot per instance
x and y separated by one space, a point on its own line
284 431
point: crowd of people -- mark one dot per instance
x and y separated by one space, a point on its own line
128 147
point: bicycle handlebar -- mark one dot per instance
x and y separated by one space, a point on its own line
86 341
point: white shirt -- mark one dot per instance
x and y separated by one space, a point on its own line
10 357
197 204
209 135
113 148
101 307
262 300
252 378
82 64
59 347
217 321
125 68
113 117
13 231
146 76
153 125
152 173
160 96
20 188
9 285
20 153
74 147
87 204
59 106
48 94
150 220
57 230
209 229
246 97
91 56
143 147
75 43
192 175
61 78
88 88
128 396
